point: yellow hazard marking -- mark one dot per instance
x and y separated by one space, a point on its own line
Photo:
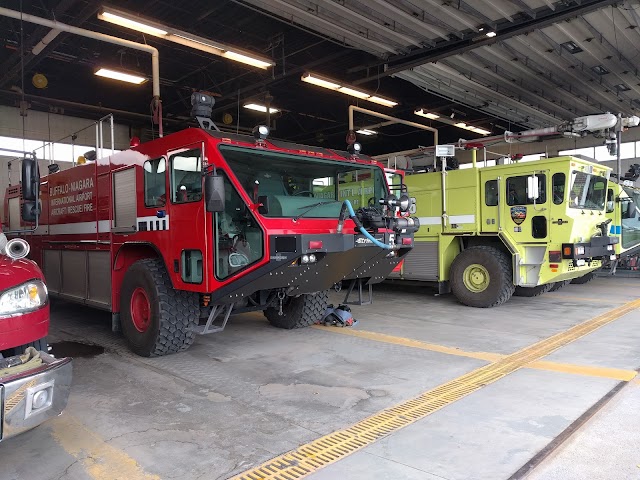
591 371
326 450
101 460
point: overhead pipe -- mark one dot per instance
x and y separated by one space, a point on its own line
353 108
55 25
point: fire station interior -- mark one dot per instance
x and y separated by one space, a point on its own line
413 385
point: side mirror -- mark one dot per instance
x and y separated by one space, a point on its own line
532 187
30 179
631 210
263 201
30 212
214 193
610 206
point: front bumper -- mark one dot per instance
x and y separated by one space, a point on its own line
18 411
342 257
598 247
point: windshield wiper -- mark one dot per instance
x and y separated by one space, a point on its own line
311 207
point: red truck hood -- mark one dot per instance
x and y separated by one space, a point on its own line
16 272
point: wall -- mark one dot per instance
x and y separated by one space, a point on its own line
45 127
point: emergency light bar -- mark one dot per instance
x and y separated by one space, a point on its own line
134 22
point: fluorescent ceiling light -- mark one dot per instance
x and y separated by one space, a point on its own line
422 113
320 82
123 77
347 90
365 131
491 34
132 24
354 93
260 108
150 27
382 101
238 57
432 116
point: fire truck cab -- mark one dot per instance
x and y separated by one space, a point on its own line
200 224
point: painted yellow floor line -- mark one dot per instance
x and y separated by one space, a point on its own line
101 460
326 450
591 371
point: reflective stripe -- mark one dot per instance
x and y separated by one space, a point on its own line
462 219
430 220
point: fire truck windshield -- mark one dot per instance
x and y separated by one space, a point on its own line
295 183
587 191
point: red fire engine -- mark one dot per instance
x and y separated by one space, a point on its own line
34 386
199 224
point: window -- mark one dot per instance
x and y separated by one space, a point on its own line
491 193
186 176
517 190
155 187
587 191
191 266
239 238
558 186
296 185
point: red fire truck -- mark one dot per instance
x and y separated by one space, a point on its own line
34 386
199 224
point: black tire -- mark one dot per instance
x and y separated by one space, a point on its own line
558 285
584 279
498 266
172 314
533 291
40 345
299 312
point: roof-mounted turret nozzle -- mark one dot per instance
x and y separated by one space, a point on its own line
202 108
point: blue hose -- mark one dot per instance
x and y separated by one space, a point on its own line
375 241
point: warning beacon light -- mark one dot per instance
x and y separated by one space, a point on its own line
354 148
260 132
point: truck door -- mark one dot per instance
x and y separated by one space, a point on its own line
188 235
525 209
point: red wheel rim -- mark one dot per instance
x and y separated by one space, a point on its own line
140 310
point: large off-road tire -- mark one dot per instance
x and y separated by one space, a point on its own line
584 279
533 291
299 312
156 319
482 277
40 345
558 285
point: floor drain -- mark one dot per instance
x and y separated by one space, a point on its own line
75 350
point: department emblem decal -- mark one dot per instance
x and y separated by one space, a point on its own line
518 214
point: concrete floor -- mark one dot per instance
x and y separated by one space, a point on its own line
252 392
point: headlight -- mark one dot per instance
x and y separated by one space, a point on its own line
25 298
580 250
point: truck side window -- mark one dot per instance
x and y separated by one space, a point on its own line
155 187
186 176
558 181
239 238
517 190
491 193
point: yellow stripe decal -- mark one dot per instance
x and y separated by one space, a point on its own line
324 451
101 460
591 371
